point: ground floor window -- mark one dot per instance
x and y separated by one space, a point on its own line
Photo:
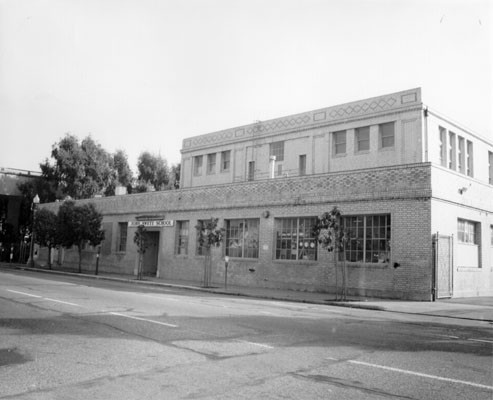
294 239
242 238
182 230
368 238
122 236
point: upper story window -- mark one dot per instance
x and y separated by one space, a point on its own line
452 151
225 160
211 163
461 155
251 170
469 159
277 149
387 134
242 237
443 146
339 141
302 165
490 167
197 165
362 136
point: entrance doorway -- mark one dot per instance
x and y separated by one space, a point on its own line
151 254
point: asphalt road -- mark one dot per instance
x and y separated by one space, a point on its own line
71 338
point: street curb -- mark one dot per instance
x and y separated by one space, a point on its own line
345 304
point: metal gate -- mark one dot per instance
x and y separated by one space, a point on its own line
443 266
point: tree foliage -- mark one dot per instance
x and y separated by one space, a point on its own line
328 230
121 175
209 235
45 226
153 170
141 243
333 237
124 175
79 170
78 225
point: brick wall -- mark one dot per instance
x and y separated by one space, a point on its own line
403 192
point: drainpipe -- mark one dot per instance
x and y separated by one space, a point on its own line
272 165
425 132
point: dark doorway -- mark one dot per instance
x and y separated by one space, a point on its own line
151 254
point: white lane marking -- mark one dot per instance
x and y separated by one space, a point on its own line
25 294
254 344
439 378
481 340
144 319
63 302
447 336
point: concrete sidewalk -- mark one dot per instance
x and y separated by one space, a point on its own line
476 308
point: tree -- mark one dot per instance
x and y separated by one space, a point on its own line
175 176
153 170
140 241
29 188
123 172
78 225
79 170
333 237
45 228
121 175
209 235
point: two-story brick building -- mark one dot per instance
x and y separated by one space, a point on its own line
415 190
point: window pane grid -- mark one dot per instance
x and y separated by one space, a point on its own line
225 160
466 231
277 149
242 238
387 134
182 237
363 138
122 242
211 163
340 142
294 240
369 239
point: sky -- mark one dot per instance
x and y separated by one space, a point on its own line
142 75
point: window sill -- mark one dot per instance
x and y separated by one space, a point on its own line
304 262
340 155
242 259
390 148
367 265
362 152
469 269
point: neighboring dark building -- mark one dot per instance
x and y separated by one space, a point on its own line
10 206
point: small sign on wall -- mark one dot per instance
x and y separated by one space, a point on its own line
152 223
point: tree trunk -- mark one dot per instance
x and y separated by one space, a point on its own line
337 280
80 259
49 257
207 267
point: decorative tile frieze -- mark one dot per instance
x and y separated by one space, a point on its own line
303 121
